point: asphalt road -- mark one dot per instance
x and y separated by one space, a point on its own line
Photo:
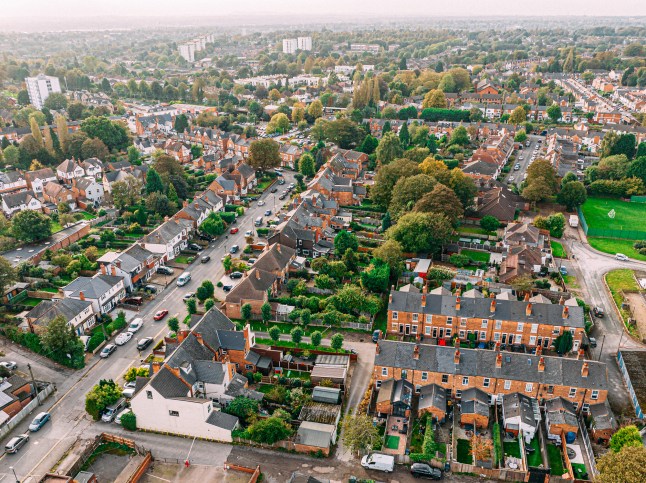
526 153
69 420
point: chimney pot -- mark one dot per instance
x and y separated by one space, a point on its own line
196 204
580 354
492 308
456 356
498 360
257 275
497 346
423 300
566 312
81 295
424 289
561 300
113 270
457 303
377 348
584 370
539 350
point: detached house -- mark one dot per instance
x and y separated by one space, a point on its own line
39 178
112 177
136 265
68 170
57 193
20 201
93 167
80 314
253 289
104 291
88 191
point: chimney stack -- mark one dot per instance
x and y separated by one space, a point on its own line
416 352
580 354
492 307
390 295
561 300
257 274
526 297
113 270
499 360
196 205
81 295
456 356
118 263
457 304
423 300
566 312
377 348
584 370
103 270
425 289
528 309
541 364
277 247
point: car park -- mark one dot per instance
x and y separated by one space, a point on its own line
235 275
10 365
165 270
107 351
142 344
39 421
234 249
234 230
160 314
422 470
16 443
205 259
123 338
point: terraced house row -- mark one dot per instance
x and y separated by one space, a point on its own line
579 381
441 315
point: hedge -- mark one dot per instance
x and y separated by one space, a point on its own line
428 445
497 443
230 208
437 114
95 341
228 217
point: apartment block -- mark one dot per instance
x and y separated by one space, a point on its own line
40 87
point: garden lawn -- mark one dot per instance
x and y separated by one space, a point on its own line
464 451
629 216
48 289
88 216
305 376
570 281
579 470
477 256
56 226
284 327
392 442
557 249
511 448
556 459
184 259
473 230
619 280
535 460
31 302
615 245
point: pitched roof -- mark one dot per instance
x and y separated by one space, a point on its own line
222 420
432 396
317 435
67 166
168 384
47 310
254 286
14 200
517 405
275 258
92 287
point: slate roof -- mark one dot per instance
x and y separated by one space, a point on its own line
561 411
92 287
252 287
237 388
84 183
67 166
222 420
14 200
168 384
245 170
166 232
46 310
432 396
515 366
227 184
43 173
210 371
275 258
602 417
549 314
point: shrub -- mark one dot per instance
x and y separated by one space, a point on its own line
95 341
129 421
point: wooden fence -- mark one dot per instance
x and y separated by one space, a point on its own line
499 474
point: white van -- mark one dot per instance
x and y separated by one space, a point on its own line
380 462
183 279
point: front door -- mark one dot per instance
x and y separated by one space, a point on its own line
504 338
407 329
441 333
401 328
434 332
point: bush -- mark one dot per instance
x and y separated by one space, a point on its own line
95 341
228 217
129 421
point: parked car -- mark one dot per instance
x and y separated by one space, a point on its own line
511 179
39 421
111 412
135 325
107 351
622 257
129 389
262 202
165 270
248 233
598 311
160 314
267 212
133 301
593 342
150 288
281 181
376 335
10 365
517 167
282 196
16 443
422 470
234 230
563 270
251 261
235 275
143 343
274 190
234 249
123 338
377 461
227 288
205 237
205 259
195 247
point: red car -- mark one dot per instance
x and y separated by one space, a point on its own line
234 231
161 314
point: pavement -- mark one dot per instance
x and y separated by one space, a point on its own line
69 420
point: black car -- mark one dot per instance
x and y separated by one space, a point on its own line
227 288
194 246
143 343
150 288
274 190
205 259
205 237
235 275
234 249
422 470
598 311
165 270
283 196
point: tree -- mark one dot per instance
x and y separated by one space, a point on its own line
518 116
191 306
390 252
387 176
206 291
265 310
245 311
213 225
489 223
105 393
269 430
336 341
279 123
376 276
315 109
154 182
573 194
464 187
389 148
521 136
625 437
316 337
94 148
113 134
408 191
359 432
127 192
158 203
421 232
297 335
554 112
442 200
274 333
344 241
209 304
243 407
23 97
264 154
563 343
369 144
460 136
181 123
91 253
60 340
345 133
404 135
55 101
35 131
637 168
8 274
641 150
306 165
31 226
434 98
11 155
298 113
447 84
626 466
173 324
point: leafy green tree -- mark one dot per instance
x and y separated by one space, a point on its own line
245 311
191 306
369 144
133 155
105 393
94 148
421 232
158 203
641 150
359 433
521 135
56 101
434 98
389 148
408 191
572 195
442 200
205 291
387 176
626 466
173 324
181 123
315 109
129 420
243 407
154 182
265 310
8 274
637 168
460 136
489 223
344 241
213 225
31 226
390 252
625 437
464 187
316 338
518 116
297 335
209 304
563 343
60 341
113 134
264 154
336 341
404 135
307 166
269 430
554 112
274 333
345 133
375 278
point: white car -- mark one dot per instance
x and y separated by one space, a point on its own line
622 257
10 365
135 325
248 233
118 418
261 202
511 179
123 338
129 389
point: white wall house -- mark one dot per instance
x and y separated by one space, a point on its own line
39 178
69 169
23 200
167 240
104 291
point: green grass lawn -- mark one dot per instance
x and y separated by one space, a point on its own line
31 302
472 230
184 259
284 327
305 376
464 451
628 216
557 249
579 470
570 281
477 256
535 459
56 226
618 280
511 448
88 216
48 289
556 459
265 388
615 245
302 345
392 442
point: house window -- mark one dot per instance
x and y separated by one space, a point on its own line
394 324
550 389
556 331
519 327
249 367
576 405
498 324
395 315
458 393
507 385
572 392
415 317
529 386
378 384
496 336
427 330
418 389
404 374
534 328
594 395
414 329
519 339
173 413
384 371
424 376
429 318
465 381
449 321
461 334
445 378
149 394
483 335
485 322
486 382
532 340
463 322
447 334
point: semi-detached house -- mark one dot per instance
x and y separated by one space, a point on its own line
167 240
22 200
136 265
104 291
80 314
37 179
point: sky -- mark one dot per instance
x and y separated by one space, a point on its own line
307 8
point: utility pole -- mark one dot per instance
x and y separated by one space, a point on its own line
33 383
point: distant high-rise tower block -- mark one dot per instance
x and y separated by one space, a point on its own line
40 87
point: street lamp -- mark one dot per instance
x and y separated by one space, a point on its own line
14 474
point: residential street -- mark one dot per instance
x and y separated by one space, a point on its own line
69 420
